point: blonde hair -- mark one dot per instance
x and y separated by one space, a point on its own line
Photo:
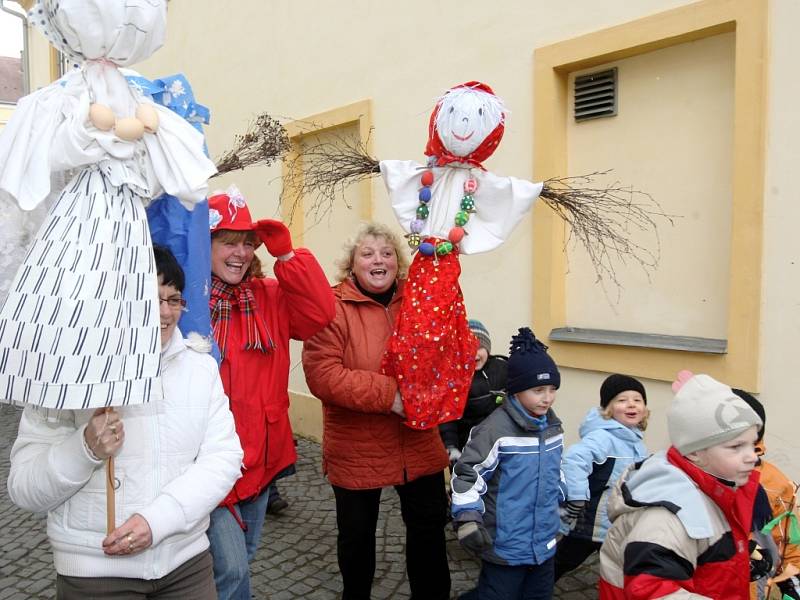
376 230
230 236
607 413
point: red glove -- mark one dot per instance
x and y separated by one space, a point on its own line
275 235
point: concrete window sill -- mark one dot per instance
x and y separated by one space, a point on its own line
639 340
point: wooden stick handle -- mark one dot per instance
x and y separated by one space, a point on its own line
110 495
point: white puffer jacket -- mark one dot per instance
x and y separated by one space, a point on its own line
181 456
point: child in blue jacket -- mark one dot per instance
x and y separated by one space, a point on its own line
611 439
507 483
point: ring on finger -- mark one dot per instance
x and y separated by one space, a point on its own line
113 428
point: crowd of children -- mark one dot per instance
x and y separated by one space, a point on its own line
708 518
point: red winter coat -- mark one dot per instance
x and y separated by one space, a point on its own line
678 533
364 445
296 305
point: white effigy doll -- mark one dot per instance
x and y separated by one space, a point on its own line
451 206
80 327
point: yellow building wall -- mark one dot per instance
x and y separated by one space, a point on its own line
302 58
672 137
5 114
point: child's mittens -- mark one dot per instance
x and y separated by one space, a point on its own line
570 511
275 235
790 588
453 454
473 537
760 562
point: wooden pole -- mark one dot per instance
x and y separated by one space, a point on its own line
110 495
111 503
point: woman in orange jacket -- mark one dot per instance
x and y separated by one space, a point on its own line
366 446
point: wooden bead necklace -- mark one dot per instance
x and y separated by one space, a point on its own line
456 234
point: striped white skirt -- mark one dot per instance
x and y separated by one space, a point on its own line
80 327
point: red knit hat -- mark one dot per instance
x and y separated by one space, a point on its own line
228 210
436 147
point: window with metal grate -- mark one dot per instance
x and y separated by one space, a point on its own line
596 95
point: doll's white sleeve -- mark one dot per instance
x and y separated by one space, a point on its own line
500 204
401 178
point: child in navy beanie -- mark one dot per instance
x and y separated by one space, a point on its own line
513 460
529 364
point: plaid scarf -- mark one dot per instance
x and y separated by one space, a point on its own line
223 298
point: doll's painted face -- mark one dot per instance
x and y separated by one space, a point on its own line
466 117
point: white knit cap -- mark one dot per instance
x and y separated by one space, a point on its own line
705 413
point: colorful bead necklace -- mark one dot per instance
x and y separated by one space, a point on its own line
456 234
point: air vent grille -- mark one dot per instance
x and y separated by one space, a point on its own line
596 95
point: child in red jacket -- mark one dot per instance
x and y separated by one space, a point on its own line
681 519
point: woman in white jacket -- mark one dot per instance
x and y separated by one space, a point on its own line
176 459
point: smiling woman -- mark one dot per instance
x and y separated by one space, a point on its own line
252 318
366 446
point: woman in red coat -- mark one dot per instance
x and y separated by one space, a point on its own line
253 317
366 446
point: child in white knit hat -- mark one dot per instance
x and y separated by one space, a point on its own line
682 518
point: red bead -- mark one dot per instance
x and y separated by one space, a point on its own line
456 234
427 178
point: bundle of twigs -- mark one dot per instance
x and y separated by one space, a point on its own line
601 218
264 142
323 168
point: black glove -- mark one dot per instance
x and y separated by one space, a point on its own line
790 588
453 454
474 537
570 511
760 562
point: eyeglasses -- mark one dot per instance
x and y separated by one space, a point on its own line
175 302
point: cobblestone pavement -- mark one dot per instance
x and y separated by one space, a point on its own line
297 556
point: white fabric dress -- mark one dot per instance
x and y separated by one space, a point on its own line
500 202
80 325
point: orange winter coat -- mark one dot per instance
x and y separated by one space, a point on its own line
780 491
364 444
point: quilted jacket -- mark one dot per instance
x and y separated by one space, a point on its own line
364 444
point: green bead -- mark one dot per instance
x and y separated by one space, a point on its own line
462 217
467 202
443 248
422 211
414 240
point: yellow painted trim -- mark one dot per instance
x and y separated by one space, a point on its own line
358 113
55 60
305 414
5 114
552 65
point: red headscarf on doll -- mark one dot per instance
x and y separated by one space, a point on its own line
437 148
